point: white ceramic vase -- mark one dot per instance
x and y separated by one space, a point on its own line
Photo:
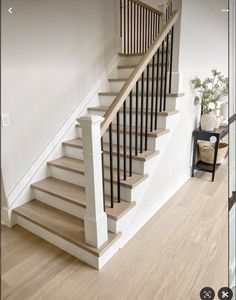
218 121
208 121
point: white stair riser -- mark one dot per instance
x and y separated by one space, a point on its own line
125 60
122 224
151 140
128 60
116 86
171 102
73 152
126 194
137 165
78 179
69 207
59 203
162 121
126 72
176 84
160 143
67 175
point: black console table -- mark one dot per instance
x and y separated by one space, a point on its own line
203 135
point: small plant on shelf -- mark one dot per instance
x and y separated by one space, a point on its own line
210 90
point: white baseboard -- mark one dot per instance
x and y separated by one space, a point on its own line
38 170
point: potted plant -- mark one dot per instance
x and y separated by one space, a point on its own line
209 92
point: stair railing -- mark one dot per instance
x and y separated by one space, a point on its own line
144 95
137 105
139 25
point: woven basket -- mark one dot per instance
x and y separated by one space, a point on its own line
207 150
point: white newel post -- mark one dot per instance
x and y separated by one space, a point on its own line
95 220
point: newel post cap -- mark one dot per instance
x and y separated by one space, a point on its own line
91 119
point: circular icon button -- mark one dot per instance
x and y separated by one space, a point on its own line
207 293
225 293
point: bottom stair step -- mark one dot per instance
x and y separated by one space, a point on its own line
75 195
61 224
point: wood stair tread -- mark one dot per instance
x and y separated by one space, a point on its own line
76 195
155 133
105 108
135 54
145 156
169 95
133 66
131 54
62 224
76 166
124 79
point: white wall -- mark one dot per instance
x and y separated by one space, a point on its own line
232 149
203 46
52 54
232 97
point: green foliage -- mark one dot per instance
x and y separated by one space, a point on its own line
210 90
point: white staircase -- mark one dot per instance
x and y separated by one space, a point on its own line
59 209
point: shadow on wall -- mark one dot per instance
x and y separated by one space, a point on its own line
3 194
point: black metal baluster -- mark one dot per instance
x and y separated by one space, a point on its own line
171 58
130 131
166 69
153 37
103 181
146 32
157 87
140 29
111 166
118 154
124 137
152 99
147 112
148 28
135 28
162 65
143 38
131 27
156 25
136 120
128 26
157 77
141 121
125 2
121 15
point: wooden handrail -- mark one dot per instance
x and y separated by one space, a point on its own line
157 11
232 119
134 77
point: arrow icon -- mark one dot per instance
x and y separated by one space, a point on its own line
10 10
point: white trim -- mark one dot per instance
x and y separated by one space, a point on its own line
38 168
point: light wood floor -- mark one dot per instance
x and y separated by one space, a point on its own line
180 250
